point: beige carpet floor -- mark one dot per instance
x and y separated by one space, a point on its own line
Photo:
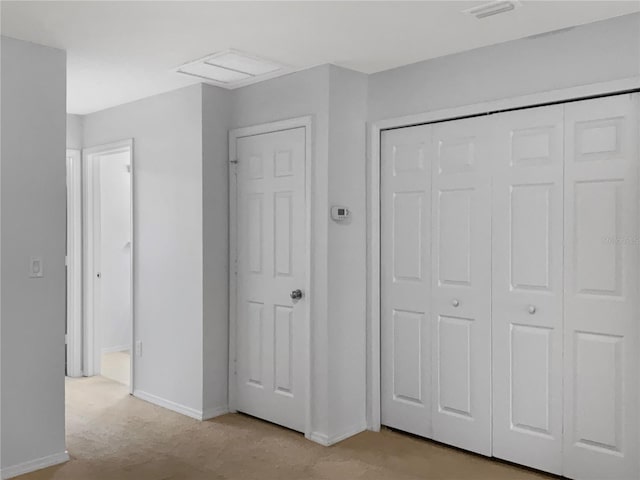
112 436
116 366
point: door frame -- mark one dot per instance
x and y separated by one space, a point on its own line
90 183
375 129
305 122
73 262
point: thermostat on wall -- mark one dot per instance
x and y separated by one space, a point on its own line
340 214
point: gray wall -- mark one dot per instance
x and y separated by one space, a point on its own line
75 131
216 113
597 52
300 94
168 238
347 252
32 192
336 99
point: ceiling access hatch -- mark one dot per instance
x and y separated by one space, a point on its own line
232 69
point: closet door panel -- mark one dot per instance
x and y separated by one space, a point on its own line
527 287
461 284
601 366
406 282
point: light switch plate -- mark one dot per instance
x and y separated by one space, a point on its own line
36 267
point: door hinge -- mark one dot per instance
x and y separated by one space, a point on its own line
234 162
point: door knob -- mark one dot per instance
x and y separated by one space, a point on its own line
531 309
296 294
455 302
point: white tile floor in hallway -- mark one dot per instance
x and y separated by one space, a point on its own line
116 366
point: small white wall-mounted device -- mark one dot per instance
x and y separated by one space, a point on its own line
340 214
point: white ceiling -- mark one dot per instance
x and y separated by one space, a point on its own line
122 51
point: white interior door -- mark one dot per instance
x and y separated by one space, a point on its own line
461 284
114 262
406 280
601 367
271 336
527 287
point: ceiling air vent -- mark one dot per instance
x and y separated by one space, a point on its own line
233 69
492 8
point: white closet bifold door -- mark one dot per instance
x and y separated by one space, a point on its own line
527 287
601 367
461 284
405 278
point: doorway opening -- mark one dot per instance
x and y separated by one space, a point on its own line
100 263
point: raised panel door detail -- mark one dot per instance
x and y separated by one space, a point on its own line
598 253
408 159
407 356
454 365
456 155
256 340
598 139
283 163
454 218
283 349
256 231
256 167
530 236
598 391
407 235
283 230
530 378
533 146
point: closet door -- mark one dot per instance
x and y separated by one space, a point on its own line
527 287
601 289
405 279
461 285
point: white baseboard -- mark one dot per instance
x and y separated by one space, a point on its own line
33 465
327 441
210 413
168 404
116 348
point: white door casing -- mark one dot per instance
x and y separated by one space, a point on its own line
461 284
601 366
527 241
74 264
406 280
271 328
